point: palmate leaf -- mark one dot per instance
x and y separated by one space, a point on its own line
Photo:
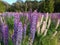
25 41
2 43
10 42
54 41
48 41
58 29
10 22
35 42
51 30
23 19
28 30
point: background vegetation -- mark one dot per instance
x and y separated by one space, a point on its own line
41 6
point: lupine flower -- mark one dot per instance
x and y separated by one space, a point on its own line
47 17
1 20
16 15
57 24
5 33
59 16
16 20
49 22
4 14
41 19
45 32
14 36
21 14
9 14
38 26
43 27
19 34
39 23
33 27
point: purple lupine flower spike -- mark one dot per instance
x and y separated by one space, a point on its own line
4 29
16 15
16 20
33 27
5 33
19 34
15 34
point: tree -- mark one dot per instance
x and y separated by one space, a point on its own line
2 7
57 6
51 6
28 0
17 6
48 6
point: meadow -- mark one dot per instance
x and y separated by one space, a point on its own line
29 28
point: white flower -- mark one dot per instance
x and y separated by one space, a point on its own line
43 27
45 32
1 20
38 27
47 16
39 23
49 22
57 24
41 19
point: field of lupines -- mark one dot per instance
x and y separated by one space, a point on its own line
29 28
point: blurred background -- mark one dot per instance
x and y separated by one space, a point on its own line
24 5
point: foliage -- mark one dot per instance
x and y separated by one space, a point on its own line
2 7
40 37
41 6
